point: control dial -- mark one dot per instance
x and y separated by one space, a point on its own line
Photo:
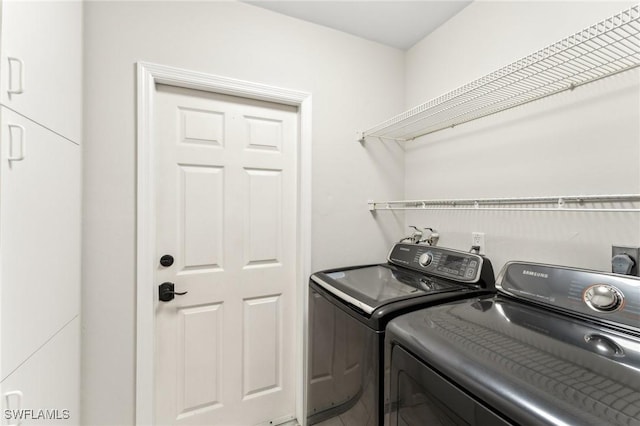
603 298
425 259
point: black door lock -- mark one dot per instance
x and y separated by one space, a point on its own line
166 292
166 260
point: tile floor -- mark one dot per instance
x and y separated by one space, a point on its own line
357 415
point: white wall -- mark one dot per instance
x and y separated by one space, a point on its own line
581 142
354 83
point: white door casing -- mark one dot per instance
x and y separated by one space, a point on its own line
263 179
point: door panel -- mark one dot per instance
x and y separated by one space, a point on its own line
262 354
263 217
199 357
264 134
201 216
226 211
202 127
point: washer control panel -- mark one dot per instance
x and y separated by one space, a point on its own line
448 263
611 297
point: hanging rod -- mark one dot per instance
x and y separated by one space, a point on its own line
560 203
604 49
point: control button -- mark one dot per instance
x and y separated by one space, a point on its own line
469 273
473 264
603 298
425 259
448 271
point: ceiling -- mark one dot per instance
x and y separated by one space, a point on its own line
399 24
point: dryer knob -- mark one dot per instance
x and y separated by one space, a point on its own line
425 259
603 298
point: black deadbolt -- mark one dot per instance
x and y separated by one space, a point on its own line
166 260
166 292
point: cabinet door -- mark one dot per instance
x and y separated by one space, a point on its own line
39 236
41 63
45 389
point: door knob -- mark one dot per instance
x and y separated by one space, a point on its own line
166 292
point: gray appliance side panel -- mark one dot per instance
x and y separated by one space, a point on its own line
343 364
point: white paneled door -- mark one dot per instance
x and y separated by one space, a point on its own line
226 214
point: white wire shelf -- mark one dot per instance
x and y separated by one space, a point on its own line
607 48
571 203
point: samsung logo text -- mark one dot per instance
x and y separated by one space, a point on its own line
535 274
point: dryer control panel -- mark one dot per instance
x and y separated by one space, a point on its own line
610 297
447 263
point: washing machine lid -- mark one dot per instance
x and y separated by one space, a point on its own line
370 287
530 364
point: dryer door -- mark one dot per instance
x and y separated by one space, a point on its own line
420 396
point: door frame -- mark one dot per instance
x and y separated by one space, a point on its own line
148 75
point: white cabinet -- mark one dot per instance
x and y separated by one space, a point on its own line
39 236
43 391
40 210
41 63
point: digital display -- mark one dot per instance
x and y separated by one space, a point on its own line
453 262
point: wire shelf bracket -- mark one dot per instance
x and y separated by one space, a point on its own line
607 48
